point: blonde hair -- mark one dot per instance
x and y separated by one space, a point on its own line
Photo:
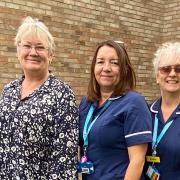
167 53
37 28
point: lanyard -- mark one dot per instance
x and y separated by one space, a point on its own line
87 128
156 139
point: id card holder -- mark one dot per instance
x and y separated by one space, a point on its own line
153 159
152 173
85 167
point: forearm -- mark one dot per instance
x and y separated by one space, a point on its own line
134 170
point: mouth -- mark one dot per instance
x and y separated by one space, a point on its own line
106 76
172 81
33 60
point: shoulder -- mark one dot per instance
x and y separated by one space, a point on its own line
133 97
134 94
132 101
58 86
11 85
84 103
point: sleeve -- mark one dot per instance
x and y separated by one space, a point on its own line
138 122
83 110
64 137
83 104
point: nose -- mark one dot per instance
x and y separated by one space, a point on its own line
172 72
107 66
33 51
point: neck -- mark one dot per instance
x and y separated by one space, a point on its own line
30 83
104 97
32 76
169 103
170 99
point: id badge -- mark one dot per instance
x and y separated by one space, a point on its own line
153 159
85 167
153 173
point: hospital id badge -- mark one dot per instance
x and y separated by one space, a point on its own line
152 173
85 167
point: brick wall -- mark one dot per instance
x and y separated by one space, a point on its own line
78 25
171 24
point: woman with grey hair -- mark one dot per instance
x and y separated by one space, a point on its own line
38 114
163 158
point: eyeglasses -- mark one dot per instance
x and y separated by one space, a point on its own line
28 47
167 69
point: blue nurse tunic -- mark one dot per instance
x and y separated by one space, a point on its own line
126 122
168 148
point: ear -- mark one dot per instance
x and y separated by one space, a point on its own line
50 58
157 78
17 54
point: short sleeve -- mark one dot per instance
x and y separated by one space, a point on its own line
138 122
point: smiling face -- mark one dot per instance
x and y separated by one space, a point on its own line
33 55
169 80
106 69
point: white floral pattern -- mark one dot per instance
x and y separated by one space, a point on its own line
39 134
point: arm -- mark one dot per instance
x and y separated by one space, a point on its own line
137 158
64 138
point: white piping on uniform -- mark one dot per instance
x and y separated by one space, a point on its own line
151 108
138 133
114 98
154 111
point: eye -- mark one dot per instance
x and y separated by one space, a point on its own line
177 69
40 48
114 61
99 61
165 69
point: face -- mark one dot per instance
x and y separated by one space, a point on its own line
33 55
106 69
168 77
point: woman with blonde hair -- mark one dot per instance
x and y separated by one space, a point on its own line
38 113
163 158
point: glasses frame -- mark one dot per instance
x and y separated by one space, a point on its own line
28 47
167 69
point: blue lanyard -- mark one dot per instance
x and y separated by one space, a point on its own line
87 128
156 139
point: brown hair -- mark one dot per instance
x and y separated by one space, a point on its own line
127 79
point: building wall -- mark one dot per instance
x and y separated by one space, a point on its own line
78 25
171 24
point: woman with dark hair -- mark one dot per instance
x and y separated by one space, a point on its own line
115 122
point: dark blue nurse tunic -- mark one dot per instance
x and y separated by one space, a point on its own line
169 147
126 122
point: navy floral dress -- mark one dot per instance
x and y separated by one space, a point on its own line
38 134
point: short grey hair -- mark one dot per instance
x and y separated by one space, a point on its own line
34 26
166 52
